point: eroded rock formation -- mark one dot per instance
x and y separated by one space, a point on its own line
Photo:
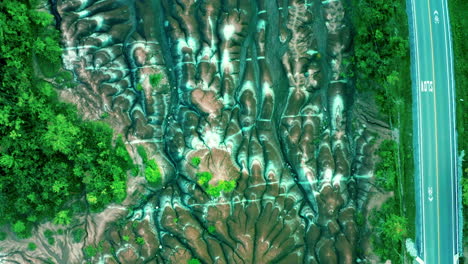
257 90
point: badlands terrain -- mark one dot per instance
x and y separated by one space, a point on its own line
258 90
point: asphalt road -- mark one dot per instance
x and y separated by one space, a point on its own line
435 116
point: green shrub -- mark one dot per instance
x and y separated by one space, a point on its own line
386 170
195 161
204 177
194 261
135 171
126 238
51 240
105 115
19 227
32 246
390 230
212 229
62 218
222 186
360 220
3 236
48 233
140 240
227 186
153 173
139 87
155 79
214 191
77 234
90 251
142 152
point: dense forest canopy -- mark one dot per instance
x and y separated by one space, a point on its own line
49 157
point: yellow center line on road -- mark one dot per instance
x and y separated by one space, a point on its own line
435 126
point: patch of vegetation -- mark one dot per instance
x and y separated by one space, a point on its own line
105 115
195 161
90 251
21 229
386 170
126 238
77 235
64 79
155 79
140 241
203 178
32 246
51 241
48 154
139 87
62 218
194 261
222 186
3 236
176 220
49 234
380 45
153 173
381 66
135 171
142 152
459 25
212 229
360 219
391 231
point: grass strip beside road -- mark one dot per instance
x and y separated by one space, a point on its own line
459 24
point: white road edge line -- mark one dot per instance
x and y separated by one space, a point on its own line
452 88
452 99
450 119
419 260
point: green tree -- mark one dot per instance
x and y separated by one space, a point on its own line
394 228
62 218
19 227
